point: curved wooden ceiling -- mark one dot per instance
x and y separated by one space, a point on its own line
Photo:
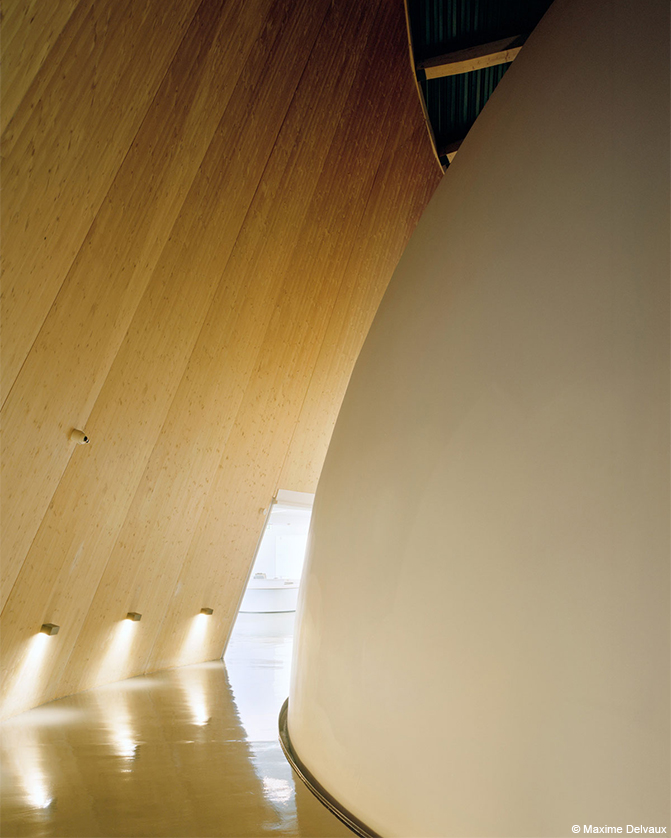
202 205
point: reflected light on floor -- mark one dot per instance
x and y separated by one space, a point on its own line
276 790
125 746
39 798
37 793
28 682
113 665
195 638
132 759
124 740
195 692
199 709
27 758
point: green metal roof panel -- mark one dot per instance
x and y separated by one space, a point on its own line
454 102
440 26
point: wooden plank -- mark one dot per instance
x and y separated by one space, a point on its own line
357 303
64 373
64 146
29 31
472 58
420 93
224 368
186 457
252 463
227 282
133 403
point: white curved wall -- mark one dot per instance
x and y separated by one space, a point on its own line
483 638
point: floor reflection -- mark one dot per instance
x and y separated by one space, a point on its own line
187 752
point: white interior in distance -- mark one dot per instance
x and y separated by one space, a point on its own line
278 565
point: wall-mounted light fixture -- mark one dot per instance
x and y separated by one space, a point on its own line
134 616
207 610
49 628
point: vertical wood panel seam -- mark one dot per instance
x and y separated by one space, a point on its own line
44 60
326 331
195 344
387 152
260 349
74 260
158 436
84 237
102 203
186 552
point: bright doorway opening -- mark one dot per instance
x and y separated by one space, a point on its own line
258 654
278 565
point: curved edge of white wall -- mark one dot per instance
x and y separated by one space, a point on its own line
482 646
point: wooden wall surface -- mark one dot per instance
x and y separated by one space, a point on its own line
202 205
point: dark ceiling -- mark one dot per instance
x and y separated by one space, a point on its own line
463 34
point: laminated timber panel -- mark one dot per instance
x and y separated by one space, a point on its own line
218 567
29 31
352 205
159 525
92 499
223 368
207 364
357 303
65 143
65 370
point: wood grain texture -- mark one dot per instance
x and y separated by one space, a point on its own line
65 143
64 373
357 303
207 302
473 58
29 31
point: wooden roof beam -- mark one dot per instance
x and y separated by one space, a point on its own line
473 58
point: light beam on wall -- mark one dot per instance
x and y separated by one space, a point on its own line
28 683
195 638
114 661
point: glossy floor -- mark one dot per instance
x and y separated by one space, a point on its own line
184 752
